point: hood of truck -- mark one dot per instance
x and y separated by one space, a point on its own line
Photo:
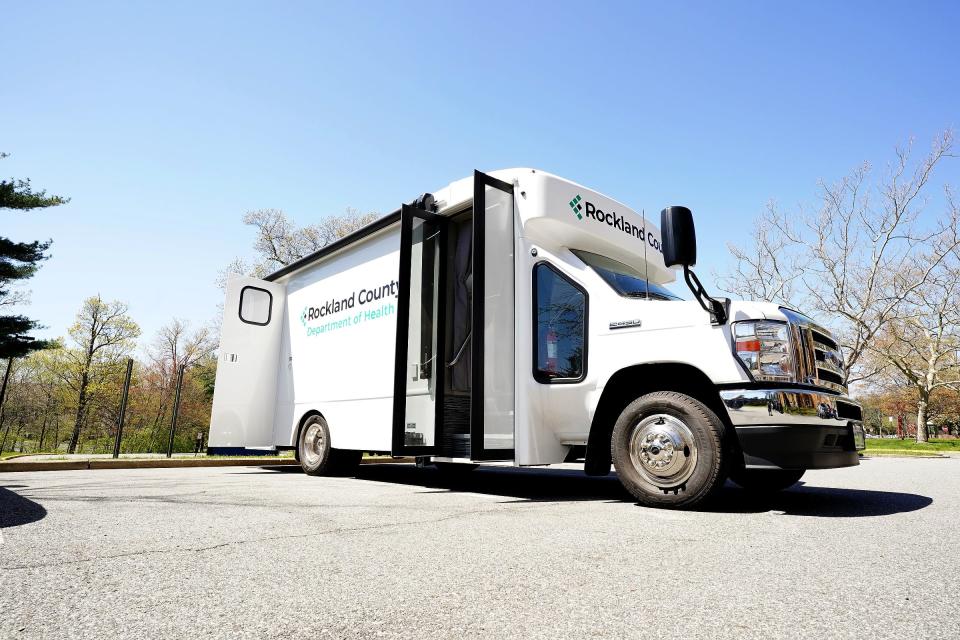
754 310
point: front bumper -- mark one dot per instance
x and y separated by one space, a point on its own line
795 428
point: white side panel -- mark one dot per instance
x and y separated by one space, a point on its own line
284 412
341 323
245 394
498 321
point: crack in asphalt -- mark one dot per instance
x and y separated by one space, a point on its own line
386 525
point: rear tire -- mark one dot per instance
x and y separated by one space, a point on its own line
667 448
317 457
766 480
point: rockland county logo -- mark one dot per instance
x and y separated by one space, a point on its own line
582 208
338 313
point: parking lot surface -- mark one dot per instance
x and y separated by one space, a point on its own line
867 552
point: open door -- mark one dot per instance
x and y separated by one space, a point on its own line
454 395
246 386
419 370
493 352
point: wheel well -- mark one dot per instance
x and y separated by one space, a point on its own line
303 419
627 385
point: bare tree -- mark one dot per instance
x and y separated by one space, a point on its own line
922 342
770 268
279 241
175 346
852 262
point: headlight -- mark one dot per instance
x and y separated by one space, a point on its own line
763 346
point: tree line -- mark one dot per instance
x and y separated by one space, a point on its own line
66 398
64 395
877 260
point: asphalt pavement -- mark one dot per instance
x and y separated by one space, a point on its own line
866 552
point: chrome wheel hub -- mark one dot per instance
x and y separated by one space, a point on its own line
313 444
663 450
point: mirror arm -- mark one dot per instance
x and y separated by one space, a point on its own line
718 310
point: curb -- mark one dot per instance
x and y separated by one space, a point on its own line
906 454
74 465
174 463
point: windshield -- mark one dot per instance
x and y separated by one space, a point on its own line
625 280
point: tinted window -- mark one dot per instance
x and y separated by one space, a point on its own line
625 280
560 323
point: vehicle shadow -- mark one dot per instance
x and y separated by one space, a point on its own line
15 510
823 502
566 485
522 485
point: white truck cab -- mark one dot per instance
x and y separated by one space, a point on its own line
519 318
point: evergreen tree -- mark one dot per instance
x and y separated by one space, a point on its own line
19 261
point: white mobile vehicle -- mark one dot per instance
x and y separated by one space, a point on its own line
521 319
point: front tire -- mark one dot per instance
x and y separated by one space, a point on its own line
766 480
667 448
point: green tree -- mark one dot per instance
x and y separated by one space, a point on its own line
103 335
19 261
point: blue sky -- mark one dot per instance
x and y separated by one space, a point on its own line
165 122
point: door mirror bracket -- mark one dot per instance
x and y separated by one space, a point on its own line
679 244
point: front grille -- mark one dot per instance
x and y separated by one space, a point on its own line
817 354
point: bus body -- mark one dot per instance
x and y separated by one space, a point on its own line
519 318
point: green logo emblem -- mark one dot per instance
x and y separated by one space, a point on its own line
576 207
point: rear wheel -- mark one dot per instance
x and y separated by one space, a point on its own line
667 448
317 457
766 480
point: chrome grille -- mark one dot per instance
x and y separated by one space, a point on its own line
818 356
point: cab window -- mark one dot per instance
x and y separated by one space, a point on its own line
560 327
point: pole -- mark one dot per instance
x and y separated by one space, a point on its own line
176 409
123 407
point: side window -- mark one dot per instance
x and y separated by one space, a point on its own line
559 327
256 305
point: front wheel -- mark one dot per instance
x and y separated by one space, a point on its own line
667 448
766 480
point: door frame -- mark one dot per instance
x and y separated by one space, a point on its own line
477 450
407 215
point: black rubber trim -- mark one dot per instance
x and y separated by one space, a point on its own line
537 374
269 310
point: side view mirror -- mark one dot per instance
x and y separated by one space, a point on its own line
678 237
